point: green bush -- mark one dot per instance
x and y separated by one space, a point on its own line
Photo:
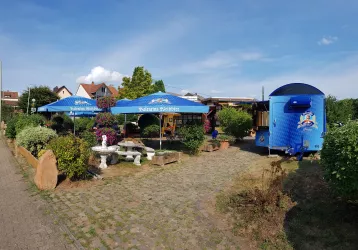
72 155
129 118
34 139
84 123
24 121
62 124
339 158
229 138
192 137
147 120
89 137
151 131
234 122
11 128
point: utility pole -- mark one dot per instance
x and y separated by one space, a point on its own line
28 100
263 93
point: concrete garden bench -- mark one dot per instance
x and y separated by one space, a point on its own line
150 153
129 156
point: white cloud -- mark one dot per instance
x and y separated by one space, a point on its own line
327 40
99 74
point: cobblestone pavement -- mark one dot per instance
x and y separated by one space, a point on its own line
23 220
159 210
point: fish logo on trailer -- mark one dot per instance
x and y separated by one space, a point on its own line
307 120
160 101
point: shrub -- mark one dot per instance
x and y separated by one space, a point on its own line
129 118
72 155
83 124
109 132
192 137
34 139
339 157
105 119
228 138
61 123
147 120
11 128
24 121
89 137
151 131
234 122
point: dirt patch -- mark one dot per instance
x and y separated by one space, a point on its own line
256 205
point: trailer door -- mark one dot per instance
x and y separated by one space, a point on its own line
279 127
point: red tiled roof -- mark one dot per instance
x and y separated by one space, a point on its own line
113 90
57 90
92 88
12 94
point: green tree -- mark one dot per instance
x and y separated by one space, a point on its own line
235 122
158 86
140 84
340 110
42 94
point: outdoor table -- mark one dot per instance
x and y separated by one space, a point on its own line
129 148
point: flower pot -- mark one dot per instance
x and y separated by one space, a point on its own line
224 144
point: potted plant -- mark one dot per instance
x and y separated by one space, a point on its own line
225 141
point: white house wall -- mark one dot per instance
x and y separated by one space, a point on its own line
82 92
64 93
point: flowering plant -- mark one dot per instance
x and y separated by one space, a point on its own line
105 119
109 132
207 126
106 102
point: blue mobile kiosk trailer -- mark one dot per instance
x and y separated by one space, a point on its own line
293 120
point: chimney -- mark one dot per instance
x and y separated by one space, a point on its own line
92 83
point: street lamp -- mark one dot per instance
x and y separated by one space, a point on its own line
33 109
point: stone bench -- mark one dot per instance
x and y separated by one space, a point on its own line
150 153
129 156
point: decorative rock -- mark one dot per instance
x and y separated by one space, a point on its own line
46 171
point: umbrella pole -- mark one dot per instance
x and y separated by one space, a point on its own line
74 124
160 131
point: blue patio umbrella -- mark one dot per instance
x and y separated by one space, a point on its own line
121 103
159 103
74 104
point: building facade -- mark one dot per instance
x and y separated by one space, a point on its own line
95 91
10 98
62 92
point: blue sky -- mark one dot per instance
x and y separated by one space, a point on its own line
215 48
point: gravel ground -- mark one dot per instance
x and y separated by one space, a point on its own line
161 209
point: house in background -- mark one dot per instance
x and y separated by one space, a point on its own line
95 91
192 97
62 92
10 98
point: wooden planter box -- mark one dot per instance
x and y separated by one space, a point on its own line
166 158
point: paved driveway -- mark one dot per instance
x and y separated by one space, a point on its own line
24 221
161 209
